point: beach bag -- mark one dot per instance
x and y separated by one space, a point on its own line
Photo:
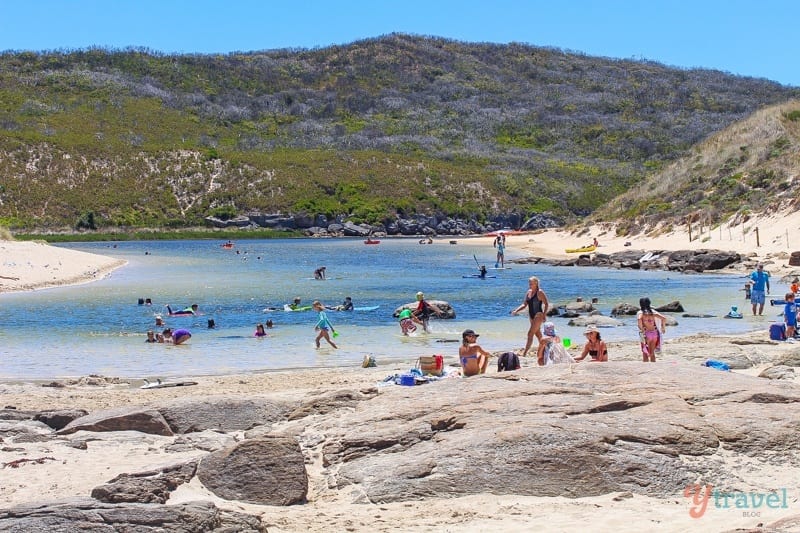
368 362
777 332
508 361
431 364
719 365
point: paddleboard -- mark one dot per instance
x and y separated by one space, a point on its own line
301 308
477 276
166 384
499 268
366 308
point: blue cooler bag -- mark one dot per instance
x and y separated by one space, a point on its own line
777 332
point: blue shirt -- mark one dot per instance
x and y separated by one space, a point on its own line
790 313
760 280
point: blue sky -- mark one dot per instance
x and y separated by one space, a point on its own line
741 37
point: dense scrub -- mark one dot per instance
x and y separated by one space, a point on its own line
397 124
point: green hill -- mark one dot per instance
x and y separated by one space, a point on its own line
394 125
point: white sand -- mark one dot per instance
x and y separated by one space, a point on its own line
778 236
32 265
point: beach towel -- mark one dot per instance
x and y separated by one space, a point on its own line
556 354
643 344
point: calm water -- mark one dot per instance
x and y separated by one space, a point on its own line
100 328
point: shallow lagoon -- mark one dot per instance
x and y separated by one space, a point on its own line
100 327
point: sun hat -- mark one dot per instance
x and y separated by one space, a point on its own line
549 329
591 328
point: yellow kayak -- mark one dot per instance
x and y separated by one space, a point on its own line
585 249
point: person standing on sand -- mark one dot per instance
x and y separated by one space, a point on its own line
758 293
790 315
537 304
323 324
648 330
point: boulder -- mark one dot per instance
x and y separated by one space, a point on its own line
58 419
264 471
596 320
778 372
791 359
221 413
354 230
331 401
624 309
10 413
135 418
152 486
24 431
274 221
92 515
447 310
701 260
672 307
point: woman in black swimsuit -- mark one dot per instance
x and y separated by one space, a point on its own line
536 302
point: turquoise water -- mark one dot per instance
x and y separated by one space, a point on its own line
100 327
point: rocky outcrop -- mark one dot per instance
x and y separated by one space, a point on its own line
680 261
265 470
221 413
144 419
91 515
152 486
554 436
570 431
447 310
339 226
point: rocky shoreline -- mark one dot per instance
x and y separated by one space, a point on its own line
335 449
417 225
688 261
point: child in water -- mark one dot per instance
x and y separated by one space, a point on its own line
323 324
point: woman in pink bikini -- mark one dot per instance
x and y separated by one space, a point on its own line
649 331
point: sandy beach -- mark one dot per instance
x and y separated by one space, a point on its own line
32 266
777 238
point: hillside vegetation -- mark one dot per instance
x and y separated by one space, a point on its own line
752 166
394 125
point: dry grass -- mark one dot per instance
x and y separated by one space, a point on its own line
732 156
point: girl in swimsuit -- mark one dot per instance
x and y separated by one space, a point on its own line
648 330
595 346
323 324
536 302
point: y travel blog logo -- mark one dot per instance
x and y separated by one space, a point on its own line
749 503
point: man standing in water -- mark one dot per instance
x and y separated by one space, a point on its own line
758 293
